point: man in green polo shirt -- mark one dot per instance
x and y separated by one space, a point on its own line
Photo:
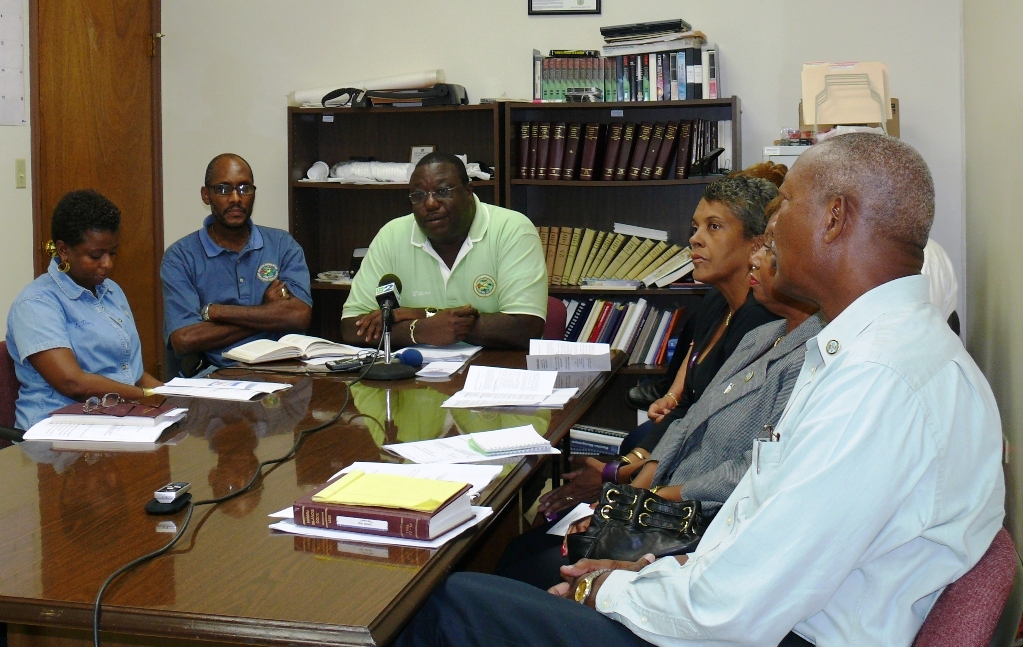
470 271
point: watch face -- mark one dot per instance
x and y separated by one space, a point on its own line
582 589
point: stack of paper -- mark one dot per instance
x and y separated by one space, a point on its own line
47 429
460 352
567 356
486 386
459 449
219 389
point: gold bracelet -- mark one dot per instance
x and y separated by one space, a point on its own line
654 489
412 331
673 397
639 455
148 392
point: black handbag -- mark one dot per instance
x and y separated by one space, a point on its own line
631 522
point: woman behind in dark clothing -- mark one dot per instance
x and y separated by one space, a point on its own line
727 226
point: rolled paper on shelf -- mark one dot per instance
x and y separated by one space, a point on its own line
409 81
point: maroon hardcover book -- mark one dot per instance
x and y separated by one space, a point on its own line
534 132
557 154
667 148
572 141
622 165
647 170
614 142
543 145
639 150
392 522
524 150
590 146
685 150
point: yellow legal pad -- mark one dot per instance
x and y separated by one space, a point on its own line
388 491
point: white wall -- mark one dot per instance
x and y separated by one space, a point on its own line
994 207
228 64
15 208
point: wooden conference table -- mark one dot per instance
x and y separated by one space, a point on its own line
70 518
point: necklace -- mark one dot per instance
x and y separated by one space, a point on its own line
213 235
728 319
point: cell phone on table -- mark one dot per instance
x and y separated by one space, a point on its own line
348 364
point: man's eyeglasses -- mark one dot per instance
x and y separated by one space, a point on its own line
228 189
418 197
95 403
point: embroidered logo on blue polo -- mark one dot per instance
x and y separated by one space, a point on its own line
267 272
484 285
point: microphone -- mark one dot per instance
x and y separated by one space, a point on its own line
411 357
387 293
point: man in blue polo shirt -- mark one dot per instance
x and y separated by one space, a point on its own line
232 281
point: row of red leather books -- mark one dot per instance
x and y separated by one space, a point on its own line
620 151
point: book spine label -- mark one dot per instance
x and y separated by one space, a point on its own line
642 142
683 161
572 141
557 154
589 151
524 150
647 169
561 254
322 515
666 149
614 142
543 146
621 166
534 133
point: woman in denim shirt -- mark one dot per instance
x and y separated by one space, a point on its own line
71 332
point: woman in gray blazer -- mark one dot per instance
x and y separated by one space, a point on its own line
703 455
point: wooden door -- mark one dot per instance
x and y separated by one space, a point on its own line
95 101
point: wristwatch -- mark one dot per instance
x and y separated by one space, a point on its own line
584 585
431 311
205 312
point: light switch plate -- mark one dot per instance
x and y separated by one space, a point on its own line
20 176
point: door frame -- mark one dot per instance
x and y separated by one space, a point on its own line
41 221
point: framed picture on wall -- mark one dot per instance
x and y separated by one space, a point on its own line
563 7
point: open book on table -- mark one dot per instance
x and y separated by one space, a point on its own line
289 347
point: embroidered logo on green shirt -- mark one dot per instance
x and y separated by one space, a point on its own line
267 272
484 285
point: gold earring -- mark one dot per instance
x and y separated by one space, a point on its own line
63 266
51 249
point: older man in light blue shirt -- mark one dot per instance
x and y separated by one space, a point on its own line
880 485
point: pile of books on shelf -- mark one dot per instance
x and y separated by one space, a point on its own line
622 259
658 61
647 334
621 150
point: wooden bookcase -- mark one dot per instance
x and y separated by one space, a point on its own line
330 220
658 204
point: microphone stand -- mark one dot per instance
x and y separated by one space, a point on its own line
388 369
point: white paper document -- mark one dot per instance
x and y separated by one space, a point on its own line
219 389
477 476
581 511
567 356
454 449
440 369
287 524
460 352
46 429
486 386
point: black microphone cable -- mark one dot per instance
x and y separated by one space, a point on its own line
218 500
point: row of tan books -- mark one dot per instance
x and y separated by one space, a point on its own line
578 256
618 151
645 333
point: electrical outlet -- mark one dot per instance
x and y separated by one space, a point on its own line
20 177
